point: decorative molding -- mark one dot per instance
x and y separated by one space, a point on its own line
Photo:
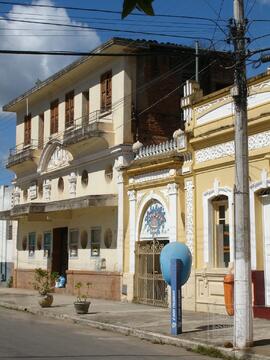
152 176
17 196
155 222
60 158
47 189
171 145
172 189
72 179
203 108
255 142
120 178
189 215
132 195
32 191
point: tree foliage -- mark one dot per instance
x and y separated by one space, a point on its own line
142 5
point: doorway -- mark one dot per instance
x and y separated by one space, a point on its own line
150 288
266 233
60 251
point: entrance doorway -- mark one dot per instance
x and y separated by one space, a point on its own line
60 251
266 228
150 288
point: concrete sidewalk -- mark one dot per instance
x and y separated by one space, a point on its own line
147 322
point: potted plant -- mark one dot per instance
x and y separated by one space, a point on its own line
81 304
44 283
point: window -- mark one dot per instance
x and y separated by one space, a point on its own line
95 241
73 243
221 239
54 117
31 244
9 230
84 178
61 184
47 244
27 129
106 91
69 117
85 107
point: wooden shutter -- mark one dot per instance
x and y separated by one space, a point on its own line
69 116
86 107
54 117
27 129
106 91
41 131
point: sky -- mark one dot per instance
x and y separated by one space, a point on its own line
20 72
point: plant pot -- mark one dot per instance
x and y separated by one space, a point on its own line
82 307
45 300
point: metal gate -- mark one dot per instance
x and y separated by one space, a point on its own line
150 288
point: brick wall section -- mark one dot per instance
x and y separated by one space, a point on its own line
105 285
159 122
23 278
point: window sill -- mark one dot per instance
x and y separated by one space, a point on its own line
104 113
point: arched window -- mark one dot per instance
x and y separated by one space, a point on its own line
84 178
221 232
61 184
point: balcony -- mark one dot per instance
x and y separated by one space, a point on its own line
21 153
94 130
23 158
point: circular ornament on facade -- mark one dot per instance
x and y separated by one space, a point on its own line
109 173
155 219
39 241
108 236
24 243
84 239
84 178
61 184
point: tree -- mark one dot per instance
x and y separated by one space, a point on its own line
141 5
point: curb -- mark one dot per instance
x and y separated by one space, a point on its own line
144 335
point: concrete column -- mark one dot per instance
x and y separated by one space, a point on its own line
120 223
173 199
132 230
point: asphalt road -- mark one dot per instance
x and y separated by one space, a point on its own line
25 336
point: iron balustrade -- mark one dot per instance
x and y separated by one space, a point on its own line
21 152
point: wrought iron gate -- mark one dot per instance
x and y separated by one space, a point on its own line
150 288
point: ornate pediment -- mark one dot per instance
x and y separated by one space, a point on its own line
54 157
59 158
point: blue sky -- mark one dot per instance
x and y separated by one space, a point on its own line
19 72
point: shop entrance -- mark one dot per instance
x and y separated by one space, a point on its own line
150 288
60 250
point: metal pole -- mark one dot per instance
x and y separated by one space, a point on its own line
197 61
243 327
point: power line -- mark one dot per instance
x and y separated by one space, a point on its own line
105 11
91 28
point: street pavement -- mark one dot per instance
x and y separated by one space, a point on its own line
27 336
146 322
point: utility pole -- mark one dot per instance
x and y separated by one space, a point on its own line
243 323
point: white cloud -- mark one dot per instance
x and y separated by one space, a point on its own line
19 72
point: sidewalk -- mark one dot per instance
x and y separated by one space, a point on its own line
147 322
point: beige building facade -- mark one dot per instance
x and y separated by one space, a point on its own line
183 190
74 139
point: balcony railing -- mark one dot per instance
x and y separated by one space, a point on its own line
82 128
21 152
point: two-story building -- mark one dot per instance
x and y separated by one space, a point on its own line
183 190
8 237
74 136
